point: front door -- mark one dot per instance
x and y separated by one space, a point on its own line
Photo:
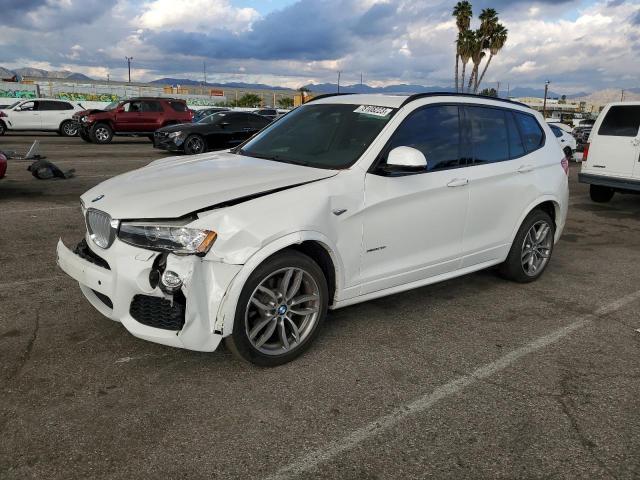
414 221
27 118
128 117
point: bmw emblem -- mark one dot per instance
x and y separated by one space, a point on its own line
99 197
282 309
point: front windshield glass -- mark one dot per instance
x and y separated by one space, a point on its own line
214 117
329 136
12 105
111 106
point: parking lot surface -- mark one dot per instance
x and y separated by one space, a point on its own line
472 378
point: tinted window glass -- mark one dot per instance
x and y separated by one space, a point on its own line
28 106
621 121
516 147
556 131
179 106
435 131
531 132
257 122
151 107
489 134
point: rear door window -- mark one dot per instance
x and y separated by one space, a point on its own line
621 121
257 122
489 134
516 147
179 106
435 131
151 106
532 134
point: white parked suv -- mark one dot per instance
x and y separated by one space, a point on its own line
611 159
345 199
41 114
566 140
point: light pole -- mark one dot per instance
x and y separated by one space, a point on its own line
129 65
339 72
544 106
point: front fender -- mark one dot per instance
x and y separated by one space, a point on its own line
227 311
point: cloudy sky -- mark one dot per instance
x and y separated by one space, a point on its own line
578 45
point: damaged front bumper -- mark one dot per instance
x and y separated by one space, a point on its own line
118 282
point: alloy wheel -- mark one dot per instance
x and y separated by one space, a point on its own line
102 134
195 145
536 248
282 311
70 129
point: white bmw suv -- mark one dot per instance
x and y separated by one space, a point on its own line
345 199
48 115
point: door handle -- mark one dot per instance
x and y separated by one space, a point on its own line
525 169
458 182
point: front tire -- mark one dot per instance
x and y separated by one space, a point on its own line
194 145
280 310
69 128
601 194
531 249
84 135
101 133
3 128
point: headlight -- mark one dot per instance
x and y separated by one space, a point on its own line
170 238
174 134
84 119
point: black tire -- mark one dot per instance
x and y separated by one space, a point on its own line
101 133
513 267
239 342
195 144
568 153
151 139
69 128
601 194
84 135
3 128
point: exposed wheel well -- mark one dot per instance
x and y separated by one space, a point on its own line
550 208
319 254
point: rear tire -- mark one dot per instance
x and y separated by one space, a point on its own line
101 133
601 194
280 310
531 249
69 128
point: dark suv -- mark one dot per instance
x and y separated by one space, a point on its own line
136 116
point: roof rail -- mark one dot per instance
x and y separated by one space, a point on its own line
418 96
327 95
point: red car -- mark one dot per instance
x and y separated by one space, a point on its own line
133 117
3 164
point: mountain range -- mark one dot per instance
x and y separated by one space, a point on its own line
599 97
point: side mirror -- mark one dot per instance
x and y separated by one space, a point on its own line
407 157
17 109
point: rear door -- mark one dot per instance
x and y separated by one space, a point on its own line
615 144
506 148
53 113
150 115
27 117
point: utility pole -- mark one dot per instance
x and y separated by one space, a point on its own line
498 90
508 90
544 106
339 73
361 79
129 65
204 71
622 96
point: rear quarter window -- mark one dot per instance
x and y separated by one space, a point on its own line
532 134
179 106
621 121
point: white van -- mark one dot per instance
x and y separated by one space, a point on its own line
41 114
611 160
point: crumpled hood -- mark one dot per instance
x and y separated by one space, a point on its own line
176 186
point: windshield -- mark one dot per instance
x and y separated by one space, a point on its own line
111 106
214 117
323 136
12 105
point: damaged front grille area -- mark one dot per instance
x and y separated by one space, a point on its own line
159 312
84 252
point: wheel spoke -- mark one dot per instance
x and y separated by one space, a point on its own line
267 333
259 326
286 279
304 311
295 333
295 286
260 305
283 334
268 292
302 299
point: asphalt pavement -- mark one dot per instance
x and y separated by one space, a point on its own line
472 378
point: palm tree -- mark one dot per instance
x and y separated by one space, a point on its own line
496 42
466 44
488 22
463 13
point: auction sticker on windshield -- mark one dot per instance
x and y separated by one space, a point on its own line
373 110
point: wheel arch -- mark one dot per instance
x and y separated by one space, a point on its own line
548 204
313 244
